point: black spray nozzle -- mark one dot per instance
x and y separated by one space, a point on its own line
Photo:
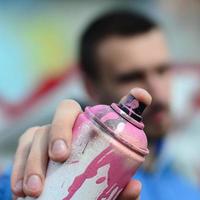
131 106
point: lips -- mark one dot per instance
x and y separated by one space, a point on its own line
155 116
159 116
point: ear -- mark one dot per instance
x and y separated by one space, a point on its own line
91 88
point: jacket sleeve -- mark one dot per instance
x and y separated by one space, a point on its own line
5 189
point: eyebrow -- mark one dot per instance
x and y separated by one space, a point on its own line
130 76
140 74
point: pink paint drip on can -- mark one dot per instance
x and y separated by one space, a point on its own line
108 146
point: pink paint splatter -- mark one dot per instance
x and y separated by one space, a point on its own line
117 178
100 180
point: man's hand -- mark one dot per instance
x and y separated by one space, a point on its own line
39 144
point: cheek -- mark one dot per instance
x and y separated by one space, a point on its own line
118 93
109 93
167 86
115 91
163 93
123 90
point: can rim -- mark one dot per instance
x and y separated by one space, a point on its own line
139 150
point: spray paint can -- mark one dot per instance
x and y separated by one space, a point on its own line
108 146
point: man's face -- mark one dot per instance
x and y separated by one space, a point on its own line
138 61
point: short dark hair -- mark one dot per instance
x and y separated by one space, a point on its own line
116 23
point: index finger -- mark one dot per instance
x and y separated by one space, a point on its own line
61 130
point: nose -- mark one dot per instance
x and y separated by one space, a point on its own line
155 86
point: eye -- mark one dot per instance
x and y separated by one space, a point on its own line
163 69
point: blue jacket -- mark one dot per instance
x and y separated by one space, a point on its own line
5 191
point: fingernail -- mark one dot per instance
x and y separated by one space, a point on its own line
19 186
34 183
59 148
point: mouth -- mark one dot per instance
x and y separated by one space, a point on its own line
155 115
159 116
